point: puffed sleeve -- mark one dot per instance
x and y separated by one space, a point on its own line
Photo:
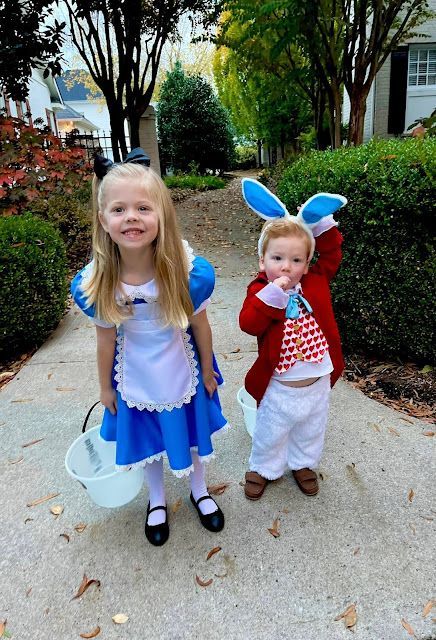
201 283
81 300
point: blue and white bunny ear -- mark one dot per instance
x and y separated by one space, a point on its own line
262 201
321 205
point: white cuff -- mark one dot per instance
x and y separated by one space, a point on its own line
273 296
323 225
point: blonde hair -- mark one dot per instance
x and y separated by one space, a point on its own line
170 260
286 227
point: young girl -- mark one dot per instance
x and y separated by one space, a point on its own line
147 295
288 308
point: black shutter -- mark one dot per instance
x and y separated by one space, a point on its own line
398 90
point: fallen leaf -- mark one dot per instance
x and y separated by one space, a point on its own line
285 510
274 531
20 459
407 420
200 582
407 626
221 575
91 634
49 375
426 368
212 552
218 489
374 426
237 350
28 520
28 592
34 503
356 551
412 526
428 607
65 388
2 627
394 431
350 617
410 495
176 505
65 535
120 618
57 509
84 585
80 527
429 434
22 400
29 444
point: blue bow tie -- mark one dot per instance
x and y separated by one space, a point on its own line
292 310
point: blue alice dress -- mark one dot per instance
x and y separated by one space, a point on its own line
163 408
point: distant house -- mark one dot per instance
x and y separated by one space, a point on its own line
43 101
86 113
404 89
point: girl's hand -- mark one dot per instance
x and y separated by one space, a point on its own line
210 382
283 282
108 399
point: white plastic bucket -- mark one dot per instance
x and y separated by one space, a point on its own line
249 409
91 461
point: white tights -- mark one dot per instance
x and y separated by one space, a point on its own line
154 476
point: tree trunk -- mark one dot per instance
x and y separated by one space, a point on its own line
134 122
259 153
357 117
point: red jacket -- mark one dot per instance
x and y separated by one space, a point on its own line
267 323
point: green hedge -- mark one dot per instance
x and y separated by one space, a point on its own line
33 282
71 216
384 292
199 183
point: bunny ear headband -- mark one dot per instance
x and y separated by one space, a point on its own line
102 165
269 207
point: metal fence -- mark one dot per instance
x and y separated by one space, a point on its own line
93 142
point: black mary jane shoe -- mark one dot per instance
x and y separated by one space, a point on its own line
212 521
157 534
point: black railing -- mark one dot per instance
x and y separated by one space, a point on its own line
93 142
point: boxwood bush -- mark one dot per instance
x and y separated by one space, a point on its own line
33 282
71 216
384 291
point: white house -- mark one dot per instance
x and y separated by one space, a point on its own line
43 101
404 90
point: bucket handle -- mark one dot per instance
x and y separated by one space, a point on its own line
88 414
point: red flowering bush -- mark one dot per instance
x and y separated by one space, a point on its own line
35 165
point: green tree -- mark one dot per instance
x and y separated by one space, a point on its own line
194 128
272 82
25 36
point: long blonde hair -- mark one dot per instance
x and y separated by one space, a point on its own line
170 260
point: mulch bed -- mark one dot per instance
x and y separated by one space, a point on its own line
402 386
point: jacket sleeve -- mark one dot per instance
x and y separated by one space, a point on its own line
256 316
328 245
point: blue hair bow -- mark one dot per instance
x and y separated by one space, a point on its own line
102 165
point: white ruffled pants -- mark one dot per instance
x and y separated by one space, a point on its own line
290 428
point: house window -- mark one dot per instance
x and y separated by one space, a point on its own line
422 67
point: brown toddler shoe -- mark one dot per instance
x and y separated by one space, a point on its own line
254 485
307 481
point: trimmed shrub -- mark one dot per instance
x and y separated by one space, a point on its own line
33 282
71 216
384 291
